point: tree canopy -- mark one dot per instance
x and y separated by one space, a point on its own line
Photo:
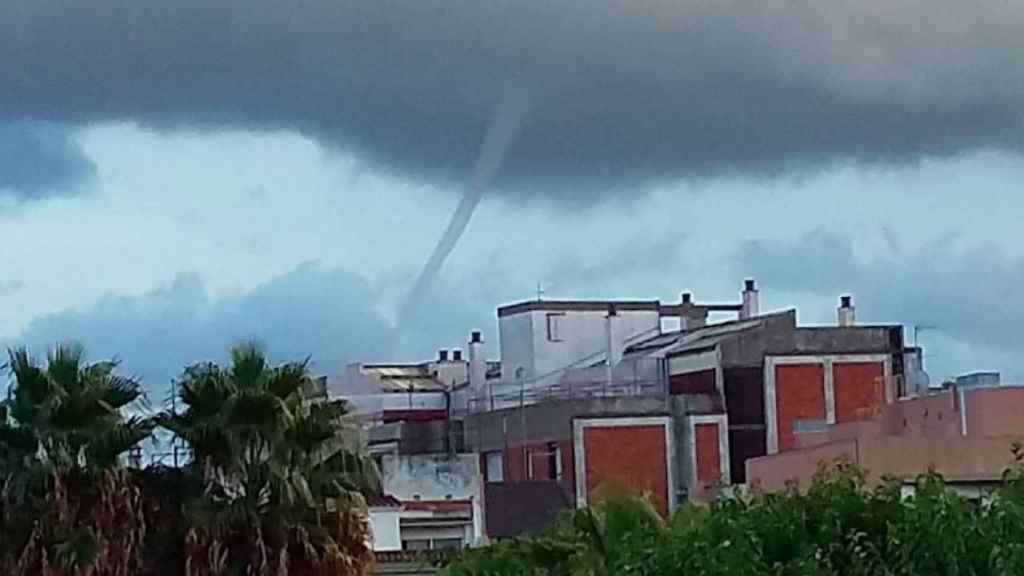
274 485
841 526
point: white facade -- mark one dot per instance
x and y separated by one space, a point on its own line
537 345
384 525
398 401
420 479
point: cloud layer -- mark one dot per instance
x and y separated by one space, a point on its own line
325 314
39 160
970 294
622 90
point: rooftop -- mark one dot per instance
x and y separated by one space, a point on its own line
404 377
703 337
579 306
684 308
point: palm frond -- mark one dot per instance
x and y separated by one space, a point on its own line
119 391
64 364
248 365
103 450
265 413
33 392
289 380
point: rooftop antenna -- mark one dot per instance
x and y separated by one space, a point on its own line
540 291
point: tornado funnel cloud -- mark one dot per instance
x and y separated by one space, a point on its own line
501 132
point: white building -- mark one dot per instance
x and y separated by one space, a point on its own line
433 501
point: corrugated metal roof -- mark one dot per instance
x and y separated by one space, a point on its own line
404 377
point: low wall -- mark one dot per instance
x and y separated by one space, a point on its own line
958 459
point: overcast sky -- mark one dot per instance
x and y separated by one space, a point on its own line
177 177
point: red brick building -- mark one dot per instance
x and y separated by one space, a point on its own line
639 406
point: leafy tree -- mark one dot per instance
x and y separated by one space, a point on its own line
842 525
67 506
610 538
281 476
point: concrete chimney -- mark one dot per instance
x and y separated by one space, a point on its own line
456 355
751 304
442 355
691 315
478 368
847 312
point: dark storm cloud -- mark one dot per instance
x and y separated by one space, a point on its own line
971 294
622 90
39 160
311 311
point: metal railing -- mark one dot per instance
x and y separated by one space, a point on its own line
640 377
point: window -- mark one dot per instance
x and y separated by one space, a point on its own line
554 462
421 544
494 469
416 545
444 543
555 327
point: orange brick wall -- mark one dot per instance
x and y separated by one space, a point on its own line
859 390
709 463
799 395
627 457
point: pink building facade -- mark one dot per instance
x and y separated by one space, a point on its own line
965 434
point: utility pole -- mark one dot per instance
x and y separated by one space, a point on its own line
174 412
522 427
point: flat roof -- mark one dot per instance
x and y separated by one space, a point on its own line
579 306
620 305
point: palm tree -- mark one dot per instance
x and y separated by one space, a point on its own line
282 475
65 497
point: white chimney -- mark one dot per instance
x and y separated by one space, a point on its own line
847 312
751 305
478 368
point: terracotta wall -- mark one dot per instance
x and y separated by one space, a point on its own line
773 472
956 458
859 389
995 411
627 457
709 463
935 415
799 395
